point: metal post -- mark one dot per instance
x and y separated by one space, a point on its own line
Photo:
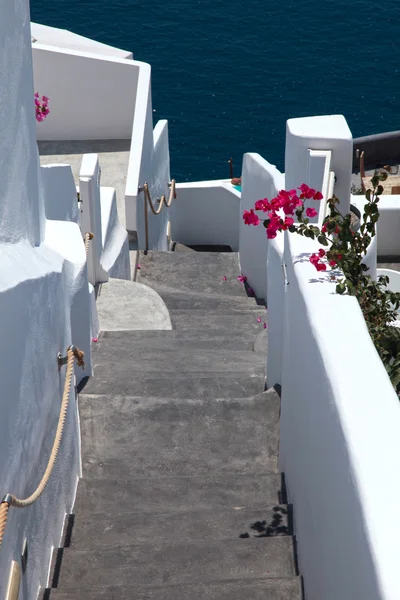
230 161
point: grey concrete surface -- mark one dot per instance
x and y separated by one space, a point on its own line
175 385
175 493
201 272
113 159
244 589
180 450
126 305
174 564
194 339
154 437
212 524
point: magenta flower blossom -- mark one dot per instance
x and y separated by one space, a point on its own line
41 107
258 319
95 339
311 212
225 278
242 278
250 217
265 326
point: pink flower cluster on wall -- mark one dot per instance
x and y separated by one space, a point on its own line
41 107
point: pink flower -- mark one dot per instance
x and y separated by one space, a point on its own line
311 212
263 205
308 193
95 339
321 267
242 278
288 221
224 278
250 218
321 253
37 95
250 291
138 267
258 319
339 256
265 326
332 263
314 259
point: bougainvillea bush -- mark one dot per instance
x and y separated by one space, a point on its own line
41 107
341 255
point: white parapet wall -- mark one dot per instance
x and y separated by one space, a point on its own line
206 212
260 179
44 304
92 96
59 193
326 133
340 442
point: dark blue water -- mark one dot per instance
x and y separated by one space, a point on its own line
227 74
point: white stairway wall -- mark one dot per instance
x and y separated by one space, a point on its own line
42 292
260 179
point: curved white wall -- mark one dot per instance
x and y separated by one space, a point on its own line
20 211
206 212
260 179
340 443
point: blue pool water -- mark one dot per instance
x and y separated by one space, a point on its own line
228 73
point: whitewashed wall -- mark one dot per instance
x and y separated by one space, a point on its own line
42 290
148 163
320 133
206 212
91 96
59 193
340 444
260 179
276 282
141 151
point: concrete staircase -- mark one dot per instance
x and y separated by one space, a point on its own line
181 494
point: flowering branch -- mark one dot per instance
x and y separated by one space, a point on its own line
346 249
41 107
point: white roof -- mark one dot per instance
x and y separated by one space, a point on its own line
61 38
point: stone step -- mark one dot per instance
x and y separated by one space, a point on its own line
195 271
123 493
96 530
126 361
175 385
239 321
158 563
150 437
122 368
179 299
193 339
289 588
209 248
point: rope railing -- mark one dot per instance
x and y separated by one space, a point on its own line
8 500
87 237
156 211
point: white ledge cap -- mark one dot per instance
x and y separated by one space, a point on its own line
329 126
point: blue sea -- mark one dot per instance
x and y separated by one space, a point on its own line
227 74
